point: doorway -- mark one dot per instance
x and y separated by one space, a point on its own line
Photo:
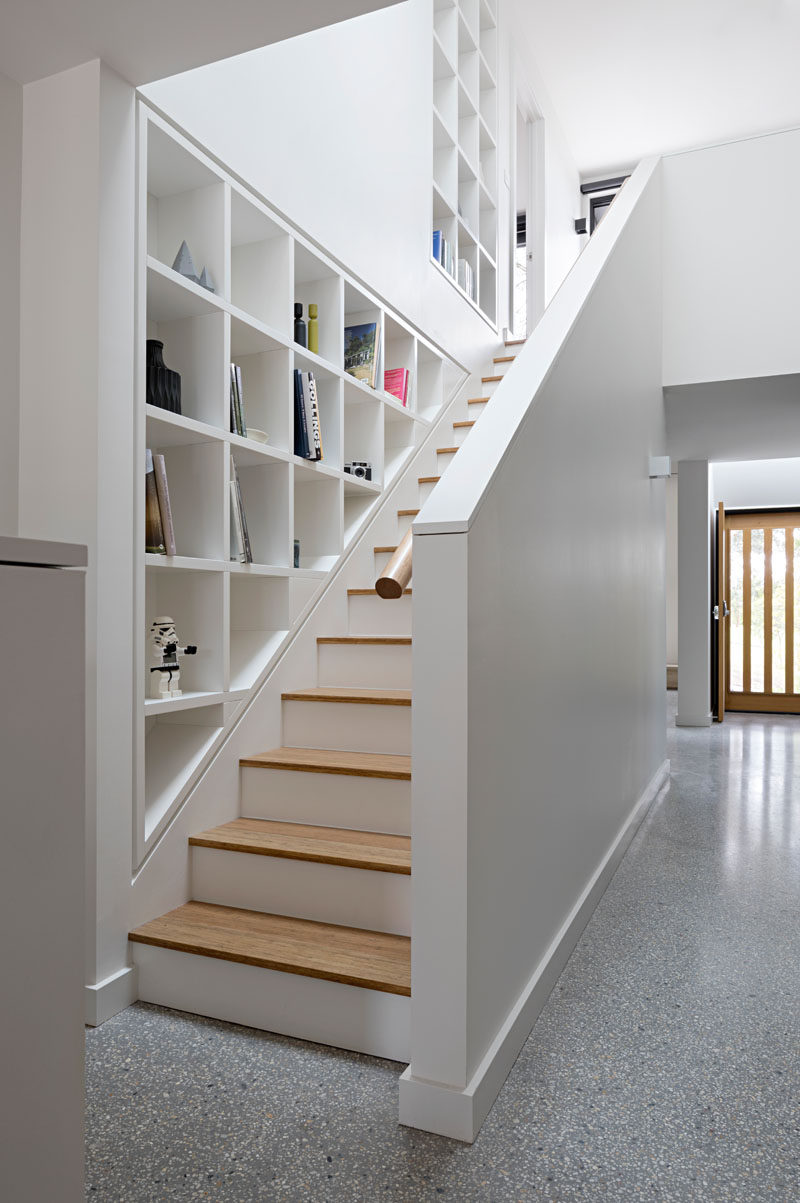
761 633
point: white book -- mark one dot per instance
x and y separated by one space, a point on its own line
237 528
313 438
316 428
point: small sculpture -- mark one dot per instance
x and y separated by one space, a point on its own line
165 673
205 280
184 263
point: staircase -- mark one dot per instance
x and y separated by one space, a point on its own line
312 883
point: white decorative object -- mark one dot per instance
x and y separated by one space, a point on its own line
165 673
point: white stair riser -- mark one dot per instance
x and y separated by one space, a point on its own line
364 665
375 615
475 411
307 890
382 558
347 727
327 800
404 523
425 492
488 389
460 433
443 460
500 369
366 1021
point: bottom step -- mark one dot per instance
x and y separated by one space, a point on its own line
315 981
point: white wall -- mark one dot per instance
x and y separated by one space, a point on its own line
758 484
538 721
76 428
732 260
334 129
734 419
10 194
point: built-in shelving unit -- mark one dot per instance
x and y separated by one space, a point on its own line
465 146
239 615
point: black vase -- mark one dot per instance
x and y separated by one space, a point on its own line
163 385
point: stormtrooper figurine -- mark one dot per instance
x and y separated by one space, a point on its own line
165 673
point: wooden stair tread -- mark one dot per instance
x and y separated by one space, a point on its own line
457 425
299 841
329 760
370 640
479 400
504 359
370 592
374 960
428 480
331 693
408 513
377 550
514 342
490 379
441 451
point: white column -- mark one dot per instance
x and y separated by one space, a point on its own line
694 594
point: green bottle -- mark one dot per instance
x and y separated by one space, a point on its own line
313 330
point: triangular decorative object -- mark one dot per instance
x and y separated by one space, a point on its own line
206 281
184 263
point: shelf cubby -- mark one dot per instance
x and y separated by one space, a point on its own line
359 309
445 173
487 230
261 253
329 398
195 348
487 286
468 136
445 101
430 382
400 351
185 202
196 476
469 75
259 621
315 283
317 518
266 384
195 603
445 24
175 745
265 498
363 433
399 437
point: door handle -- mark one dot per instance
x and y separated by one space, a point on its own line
725 610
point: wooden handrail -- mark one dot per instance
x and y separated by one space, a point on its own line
397 573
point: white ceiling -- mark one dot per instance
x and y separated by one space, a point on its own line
630 78
146 40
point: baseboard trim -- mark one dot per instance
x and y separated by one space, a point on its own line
459 1114
693 720
109 997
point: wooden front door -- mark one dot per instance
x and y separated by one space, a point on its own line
762 634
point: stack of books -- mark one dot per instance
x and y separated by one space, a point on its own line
240 538
466 278
159 534
443 252
307 427
238 422
395 381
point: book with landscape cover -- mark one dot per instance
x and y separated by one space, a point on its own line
153 530
162 489
361 351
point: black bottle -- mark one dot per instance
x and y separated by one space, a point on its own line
299 324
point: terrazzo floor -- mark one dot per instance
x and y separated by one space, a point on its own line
665 1066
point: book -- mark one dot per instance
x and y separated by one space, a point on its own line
362 350
162 489
308 407
240 516
237 529
395 381
301 444
153 530
316 424
238 422
437 245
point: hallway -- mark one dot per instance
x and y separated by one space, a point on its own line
665 1065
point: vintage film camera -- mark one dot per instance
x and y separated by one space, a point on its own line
359 468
